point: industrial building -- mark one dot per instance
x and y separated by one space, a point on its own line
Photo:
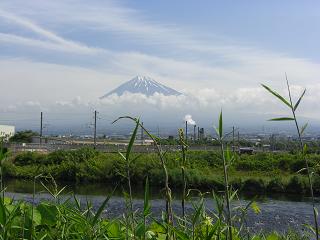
6 132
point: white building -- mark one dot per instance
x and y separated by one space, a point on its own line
6 131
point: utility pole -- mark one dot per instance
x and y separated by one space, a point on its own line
233 143
194 133
142 137
186 131
41 127
95 130
273 142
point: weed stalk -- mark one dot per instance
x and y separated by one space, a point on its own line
225 173
183 146
293 107
160 153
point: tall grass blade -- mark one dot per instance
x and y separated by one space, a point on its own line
220 125
303 128
3 215
282 119
146 203
163 165
298 102
132 139
303 148
102 206
225 175
183 146
282 99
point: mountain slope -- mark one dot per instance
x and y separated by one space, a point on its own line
143 85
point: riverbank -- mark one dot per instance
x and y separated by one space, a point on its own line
257 174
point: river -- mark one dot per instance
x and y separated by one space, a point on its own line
278 213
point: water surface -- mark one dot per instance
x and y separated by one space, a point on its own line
278 212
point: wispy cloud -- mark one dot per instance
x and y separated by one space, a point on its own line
54 41
216 71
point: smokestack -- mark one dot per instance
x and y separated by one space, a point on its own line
201 133
194 133
198 133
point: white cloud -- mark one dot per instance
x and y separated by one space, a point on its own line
49 83
55 42
14 39
243 107
214 74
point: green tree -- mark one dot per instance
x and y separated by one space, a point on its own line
23 136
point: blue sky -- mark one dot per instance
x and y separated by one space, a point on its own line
286 26
68 53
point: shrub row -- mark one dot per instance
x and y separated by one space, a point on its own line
203 170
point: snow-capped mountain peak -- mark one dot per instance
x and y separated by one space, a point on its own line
143 85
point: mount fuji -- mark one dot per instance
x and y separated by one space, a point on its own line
143 85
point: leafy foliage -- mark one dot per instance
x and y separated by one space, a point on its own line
204 168
23 136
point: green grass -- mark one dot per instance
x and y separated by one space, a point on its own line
68 220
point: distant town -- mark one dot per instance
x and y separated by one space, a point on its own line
196 137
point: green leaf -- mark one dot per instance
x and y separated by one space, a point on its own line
197 214
298 102
77 201
35 214
311 228
233 195
146 204
48 214
302 170
132 139
180 234
157 226
114 230
273 236
255 208
122 156
315 210
228 155
139 230
153 137
282 119
3 215
277 95
217 132
218 202
304 127
103 205
305 149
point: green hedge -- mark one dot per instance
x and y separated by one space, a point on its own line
251 173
